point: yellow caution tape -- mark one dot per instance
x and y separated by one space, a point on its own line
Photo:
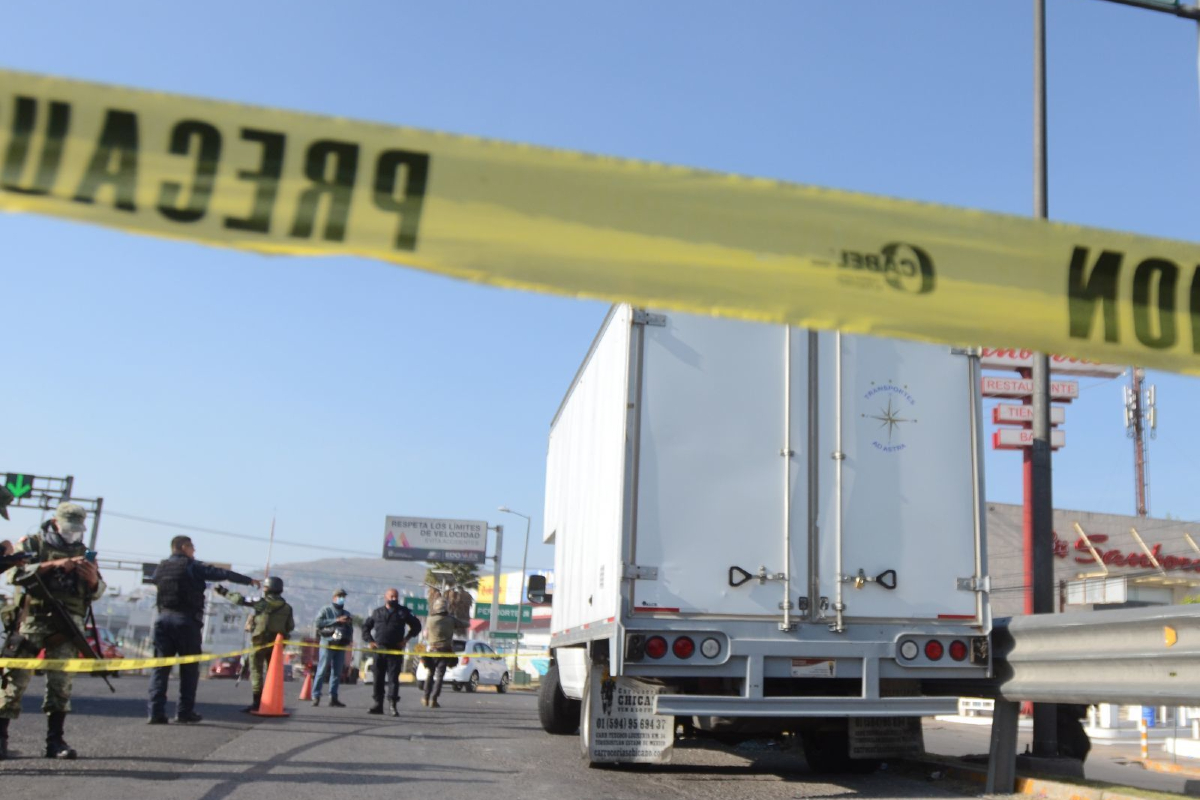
555 221
129 664
114 664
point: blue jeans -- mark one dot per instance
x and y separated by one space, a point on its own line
175 634
329 666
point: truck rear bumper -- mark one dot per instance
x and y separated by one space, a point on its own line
689 705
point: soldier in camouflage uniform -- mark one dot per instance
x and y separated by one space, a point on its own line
272 616
7 557
58 555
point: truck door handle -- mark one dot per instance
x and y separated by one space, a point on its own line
741 577
883 580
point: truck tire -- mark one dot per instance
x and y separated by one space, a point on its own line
558 713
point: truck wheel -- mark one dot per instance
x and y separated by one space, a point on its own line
558 713
827 752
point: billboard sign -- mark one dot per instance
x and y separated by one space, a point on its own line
425 539
1020 387
1011 358
1004 414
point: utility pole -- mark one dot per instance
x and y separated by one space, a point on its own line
1038 469
494 623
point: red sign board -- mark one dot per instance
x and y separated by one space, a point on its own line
1014 359
1019 438
1004 414
1020 387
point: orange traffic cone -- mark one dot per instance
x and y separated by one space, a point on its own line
306 689
271 704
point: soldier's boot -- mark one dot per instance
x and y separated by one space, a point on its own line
377 708
3 739
254 704
56 746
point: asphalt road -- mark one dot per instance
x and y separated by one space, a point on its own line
481 746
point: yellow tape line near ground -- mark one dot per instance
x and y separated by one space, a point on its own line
579 225
128 664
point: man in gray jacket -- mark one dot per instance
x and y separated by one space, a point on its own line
440 633
335 626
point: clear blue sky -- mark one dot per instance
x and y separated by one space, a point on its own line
210 387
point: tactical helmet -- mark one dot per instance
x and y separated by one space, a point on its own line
273 585
437 606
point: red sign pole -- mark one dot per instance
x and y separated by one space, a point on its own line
1027 526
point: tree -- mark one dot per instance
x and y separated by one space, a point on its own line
450 582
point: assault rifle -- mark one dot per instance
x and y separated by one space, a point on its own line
15 640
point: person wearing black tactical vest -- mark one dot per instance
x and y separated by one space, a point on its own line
60 567
272 616
181 582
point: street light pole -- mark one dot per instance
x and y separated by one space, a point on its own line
521 596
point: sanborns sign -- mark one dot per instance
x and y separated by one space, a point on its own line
1014 359
425 539
582 225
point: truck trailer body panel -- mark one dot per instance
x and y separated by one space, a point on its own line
804 509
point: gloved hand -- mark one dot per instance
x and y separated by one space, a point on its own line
221 590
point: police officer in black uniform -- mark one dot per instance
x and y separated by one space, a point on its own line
179 627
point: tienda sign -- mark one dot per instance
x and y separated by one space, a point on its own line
1020 387
1004 414
1115 558
1011 358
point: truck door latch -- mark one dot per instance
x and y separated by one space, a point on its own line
738 576
886 579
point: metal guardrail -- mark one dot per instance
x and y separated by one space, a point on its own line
1130 656
1134 656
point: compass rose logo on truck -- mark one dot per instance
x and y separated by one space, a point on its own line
894 415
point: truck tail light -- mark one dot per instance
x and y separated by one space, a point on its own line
958 650
683 647
934 650
656 647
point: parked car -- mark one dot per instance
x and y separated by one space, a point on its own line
310 657
227 667
477 666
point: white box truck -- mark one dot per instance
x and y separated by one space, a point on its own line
762 529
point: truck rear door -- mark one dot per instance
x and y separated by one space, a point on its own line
908 485
715 487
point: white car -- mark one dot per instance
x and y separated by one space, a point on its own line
478 665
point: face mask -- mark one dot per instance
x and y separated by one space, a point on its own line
71 537
393 603
339 601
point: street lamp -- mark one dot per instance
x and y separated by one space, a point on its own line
521 596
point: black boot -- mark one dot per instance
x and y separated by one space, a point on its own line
3 739
395 712
250 709
56 746
377 708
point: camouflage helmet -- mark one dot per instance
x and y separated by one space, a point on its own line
437 606
273 585
6 497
